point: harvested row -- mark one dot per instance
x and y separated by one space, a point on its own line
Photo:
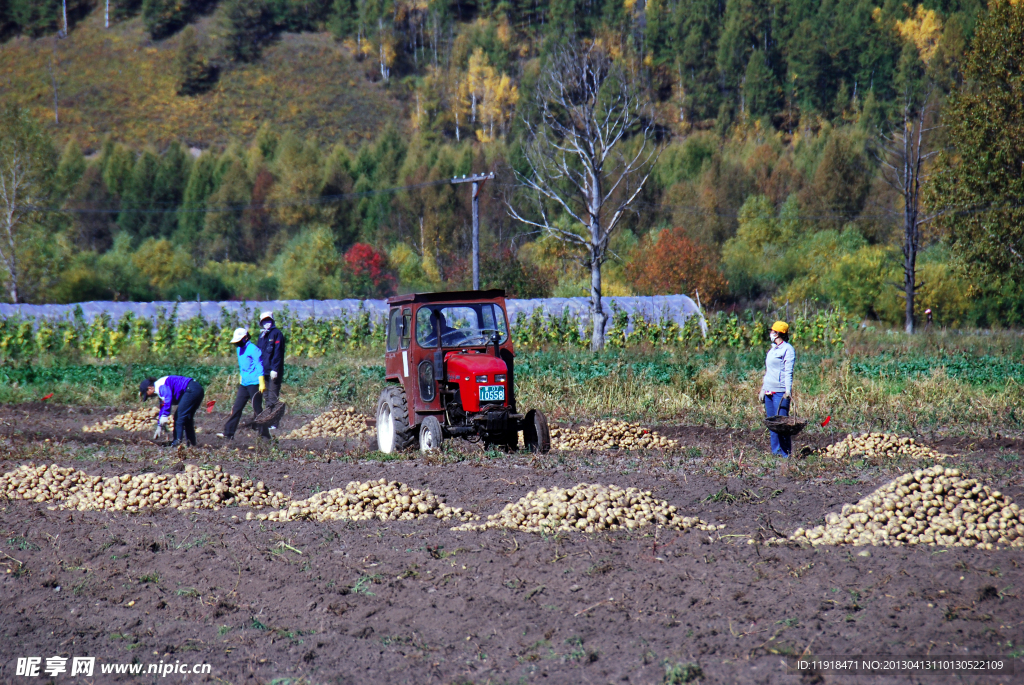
357 501
610 434
336 423
194 489
879 446
933 506
135 420
588 508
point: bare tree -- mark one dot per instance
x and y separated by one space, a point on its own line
590 110
26 169
903 154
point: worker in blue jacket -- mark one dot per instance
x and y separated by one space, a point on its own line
183 391
251 383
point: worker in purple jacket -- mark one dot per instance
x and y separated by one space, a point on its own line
183 391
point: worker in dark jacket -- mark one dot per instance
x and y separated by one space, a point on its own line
251 385
271 344
183 391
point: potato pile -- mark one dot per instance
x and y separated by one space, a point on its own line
357 501
609 434
137 420
934 506
880 445
336 423
192 489
588 508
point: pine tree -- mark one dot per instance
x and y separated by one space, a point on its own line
761 90
92 227
192 215
194 70
168 190
163 17
980 184
247 25
344 18
118 165
70 169
36 17
138 196
221 238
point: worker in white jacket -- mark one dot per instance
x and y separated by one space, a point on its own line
777 387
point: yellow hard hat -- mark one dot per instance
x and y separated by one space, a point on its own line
780 327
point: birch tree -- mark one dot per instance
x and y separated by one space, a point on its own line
589 152
26 174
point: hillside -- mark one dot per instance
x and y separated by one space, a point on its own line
120 82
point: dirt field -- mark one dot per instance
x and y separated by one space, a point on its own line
414 602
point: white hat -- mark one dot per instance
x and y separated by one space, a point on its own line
237 336
266 315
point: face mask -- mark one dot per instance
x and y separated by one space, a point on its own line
773 336
268 325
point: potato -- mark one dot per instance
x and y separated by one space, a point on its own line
609 434
335 423
192 489
928 507
375 499
588 508
880 445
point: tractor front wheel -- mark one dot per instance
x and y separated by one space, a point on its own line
393 431
536 435
431 434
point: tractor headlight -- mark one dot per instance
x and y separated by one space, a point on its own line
499 378
481 379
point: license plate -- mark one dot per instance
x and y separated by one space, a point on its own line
492 393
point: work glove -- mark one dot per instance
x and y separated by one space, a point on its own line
785 395
159 432
263 383
273 375
164 420
760 396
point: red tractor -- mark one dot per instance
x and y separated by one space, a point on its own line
450 368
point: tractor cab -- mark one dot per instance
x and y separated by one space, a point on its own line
450 366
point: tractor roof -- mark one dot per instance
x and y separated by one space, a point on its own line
455 296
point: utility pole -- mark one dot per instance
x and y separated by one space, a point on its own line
477 180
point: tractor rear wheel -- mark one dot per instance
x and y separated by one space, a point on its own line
393 431
536 435
431 435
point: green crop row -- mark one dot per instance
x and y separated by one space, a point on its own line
24 338
724 330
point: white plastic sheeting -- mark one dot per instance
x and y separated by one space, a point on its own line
676 308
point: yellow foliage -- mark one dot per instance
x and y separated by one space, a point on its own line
923 29
505 32
162 263
490 97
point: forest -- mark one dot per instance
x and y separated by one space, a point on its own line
259 149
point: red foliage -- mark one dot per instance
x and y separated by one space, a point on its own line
370 265
674 264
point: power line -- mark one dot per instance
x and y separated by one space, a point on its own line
319 200
331 199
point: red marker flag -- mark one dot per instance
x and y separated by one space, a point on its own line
46 397
209 406
827 419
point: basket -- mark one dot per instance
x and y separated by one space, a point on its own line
785 425
269 416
